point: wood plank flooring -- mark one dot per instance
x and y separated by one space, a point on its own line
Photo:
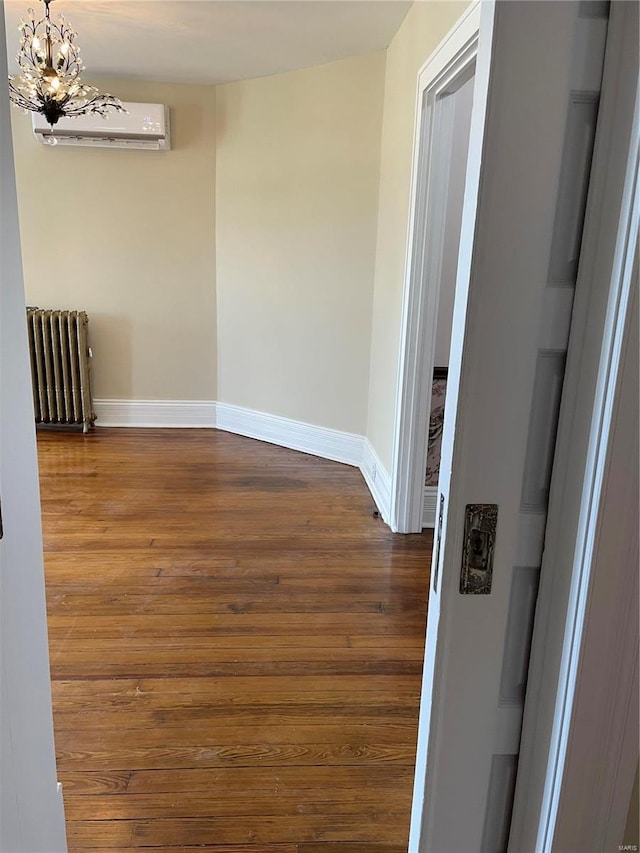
236 646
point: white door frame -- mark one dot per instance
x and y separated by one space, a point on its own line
447 68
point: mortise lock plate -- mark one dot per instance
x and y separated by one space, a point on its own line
480 522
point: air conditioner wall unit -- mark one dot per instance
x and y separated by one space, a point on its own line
142 126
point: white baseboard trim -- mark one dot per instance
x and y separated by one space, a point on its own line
155 413
377 479
327 443
338 446
430 502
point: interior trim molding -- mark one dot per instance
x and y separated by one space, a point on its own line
378 481
454 58
429 503
345 447
335 445
155 413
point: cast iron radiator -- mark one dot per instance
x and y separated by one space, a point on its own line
60 353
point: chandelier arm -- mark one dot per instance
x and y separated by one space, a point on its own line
20 101
33 57
94 105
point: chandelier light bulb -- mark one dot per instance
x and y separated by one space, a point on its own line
53 86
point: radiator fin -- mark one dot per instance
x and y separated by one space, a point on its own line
59 349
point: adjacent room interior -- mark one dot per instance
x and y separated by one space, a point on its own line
251 278
287 396
236 635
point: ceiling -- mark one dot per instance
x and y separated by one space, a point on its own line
216 41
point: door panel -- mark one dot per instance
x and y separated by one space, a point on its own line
511 321
31 813
573 598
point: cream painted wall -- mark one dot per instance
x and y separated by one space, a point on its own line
420 33
260 262
128 237
297 176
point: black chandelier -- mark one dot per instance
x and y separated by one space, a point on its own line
50 66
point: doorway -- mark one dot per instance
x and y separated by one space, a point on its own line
443 131
450 167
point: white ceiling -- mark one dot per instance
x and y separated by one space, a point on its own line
215 41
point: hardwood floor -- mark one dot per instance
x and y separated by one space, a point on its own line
236 646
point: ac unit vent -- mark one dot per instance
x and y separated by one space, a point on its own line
143 126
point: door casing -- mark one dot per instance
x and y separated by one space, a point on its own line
448 68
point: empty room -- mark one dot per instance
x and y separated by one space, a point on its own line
317 379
